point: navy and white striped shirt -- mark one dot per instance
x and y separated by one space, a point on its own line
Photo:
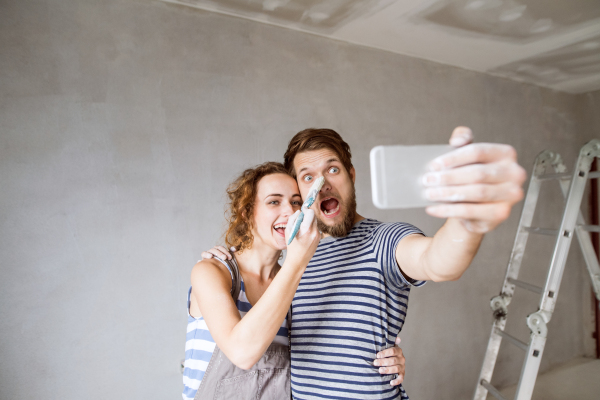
351 303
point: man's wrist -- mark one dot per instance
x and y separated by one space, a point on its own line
463 230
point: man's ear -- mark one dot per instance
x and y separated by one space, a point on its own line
353 174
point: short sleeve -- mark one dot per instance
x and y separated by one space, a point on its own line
386 238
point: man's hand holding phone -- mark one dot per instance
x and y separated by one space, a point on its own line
479 182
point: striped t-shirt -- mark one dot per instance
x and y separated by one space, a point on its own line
351 303
199 344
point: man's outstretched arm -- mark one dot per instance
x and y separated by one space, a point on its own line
479 184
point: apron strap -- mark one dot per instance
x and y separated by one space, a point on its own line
236 280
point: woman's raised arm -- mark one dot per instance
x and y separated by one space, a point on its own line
244 340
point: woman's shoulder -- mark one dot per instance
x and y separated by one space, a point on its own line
211 271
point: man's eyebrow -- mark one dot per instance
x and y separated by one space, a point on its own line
334 159
302 169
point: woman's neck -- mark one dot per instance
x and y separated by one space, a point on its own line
261 261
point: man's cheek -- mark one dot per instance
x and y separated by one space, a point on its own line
321 221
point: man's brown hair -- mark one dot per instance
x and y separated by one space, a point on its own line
240 210
316 139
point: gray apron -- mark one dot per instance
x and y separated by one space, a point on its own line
268 379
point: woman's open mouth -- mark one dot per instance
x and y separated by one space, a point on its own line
330 207
280 229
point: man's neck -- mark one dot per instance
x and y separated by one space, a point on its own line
358 218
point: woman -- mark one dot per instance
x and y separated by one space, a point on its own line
263 201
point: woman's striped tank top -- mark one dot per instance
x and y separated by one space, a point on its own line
199 344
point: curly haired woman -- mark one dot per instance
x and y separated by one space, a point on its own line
227 356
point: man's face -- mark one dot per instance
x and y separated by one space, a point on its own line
335 206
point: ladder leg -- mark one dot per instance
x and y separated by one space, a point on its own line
489 361
531 367
567 227
538 320
591 262
585 240
543 162
583 237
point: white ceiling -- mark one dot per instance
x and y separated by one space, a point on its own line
551 43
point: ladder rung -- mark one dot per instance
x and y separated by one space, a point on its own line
522 345
492 390
525 285
541 231
590 228
547 177
565 175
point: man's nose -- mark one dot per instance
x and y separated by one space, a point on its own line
326 186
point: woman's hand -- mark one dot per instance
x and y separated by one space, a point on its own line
300 251
305 243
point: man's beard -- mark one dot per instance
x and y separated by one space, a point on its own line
343 228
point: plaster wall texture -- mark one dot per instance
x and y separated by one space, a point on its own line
122 123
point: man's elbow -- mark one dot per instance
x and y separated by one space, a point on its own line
440 277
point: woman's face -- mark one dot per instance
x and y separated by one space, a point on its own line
277 198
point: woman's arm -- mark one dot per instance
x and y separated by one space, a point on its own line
391 360
244 340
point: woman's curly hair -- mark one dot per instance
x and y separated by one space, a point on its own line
242 196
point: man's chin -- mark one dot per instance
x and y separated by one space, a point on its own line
340 226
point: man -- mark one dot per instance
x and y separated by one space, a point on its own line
353 297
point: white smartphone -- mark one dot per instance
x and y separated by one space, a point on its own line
397 172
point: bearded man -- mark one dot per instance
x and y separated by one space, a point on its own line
352 300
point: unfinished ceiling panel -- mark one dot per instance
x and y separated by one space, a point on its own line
512 19
322 16
550 43
577 63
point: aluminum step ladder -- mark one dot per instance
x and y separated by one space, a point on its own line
548 166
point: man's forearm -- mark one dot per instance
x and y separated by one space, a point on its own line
450 251
476 183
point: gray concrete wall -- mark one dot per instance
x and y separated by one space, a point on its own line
121 123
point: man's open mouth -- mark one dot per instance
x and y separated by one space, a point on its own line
330 207
280 229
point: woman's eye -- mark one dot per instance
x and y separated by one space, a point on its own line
307 178
296 203
274 202
333 170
